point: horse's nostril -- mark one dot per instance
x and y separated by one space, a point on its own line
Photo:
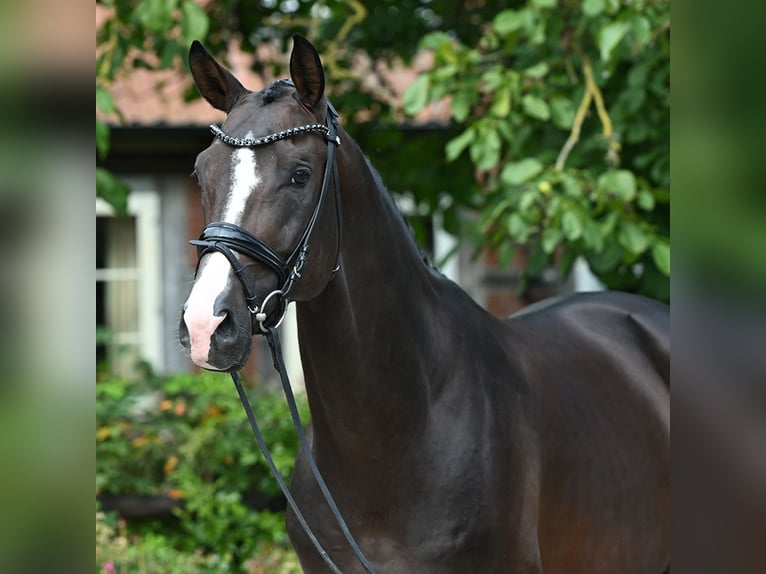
226 331
183 333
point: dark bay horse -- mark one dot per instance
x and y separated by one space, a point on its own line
452 441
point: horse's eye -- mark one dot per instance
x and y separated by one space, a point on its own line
300 177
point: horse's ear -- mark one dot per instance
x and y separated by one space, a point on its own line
306 71
216 84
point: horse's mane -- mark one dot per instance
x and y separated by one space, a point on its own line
275 91
387 195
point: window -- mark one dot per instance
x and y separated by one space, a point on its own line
128 302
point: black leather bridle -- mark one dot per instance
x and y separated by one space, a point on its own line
227 238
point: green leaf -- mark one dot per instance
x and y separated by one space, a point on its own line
536 107
562 112
645 200
605 260
593 237
537 71
642 29
521 171
567 261
633 238
501 106
505 254
444 73
485 150
507 22
112 190
460 106
593 8
170 49
537 261
571 226
456 145
550 239
416 96
544 3
518 228
533 214
102 138
104 100
435 40
571 185
493 78
621 182
661 256
528 200
610 36
156 15
194 21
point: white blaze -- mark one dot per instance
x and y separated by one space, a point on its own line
215 270
244 179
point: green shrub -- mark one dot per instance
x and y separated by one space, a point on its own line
187 437
118 552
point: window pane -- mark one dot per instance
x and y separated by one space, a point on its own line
116 299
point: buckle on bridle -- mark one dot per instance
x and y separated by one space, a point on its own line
260 315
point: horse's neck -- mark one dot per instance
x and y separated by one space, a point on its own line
364 339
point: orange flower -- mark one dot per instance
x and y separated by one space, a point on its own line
180 409
170 464
211 411
165 405
175 493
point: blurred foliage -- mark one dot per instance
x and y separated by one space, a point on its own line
187 437
560 111
718 138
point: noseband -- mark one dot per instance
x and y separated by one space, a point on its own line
227 238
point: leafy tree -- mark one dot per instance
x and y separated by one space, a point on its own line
559 138
150 34
565 108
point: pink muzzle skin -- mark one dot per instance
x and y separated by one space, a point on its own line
201 322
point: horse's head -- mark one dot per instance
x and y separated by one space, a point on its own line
263 186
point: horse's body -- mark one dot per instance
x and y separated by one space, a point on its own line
453 441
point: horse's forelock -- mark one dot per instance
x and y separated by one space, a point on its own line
275 91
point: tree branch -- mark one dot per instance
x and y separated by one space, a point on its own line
592 93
